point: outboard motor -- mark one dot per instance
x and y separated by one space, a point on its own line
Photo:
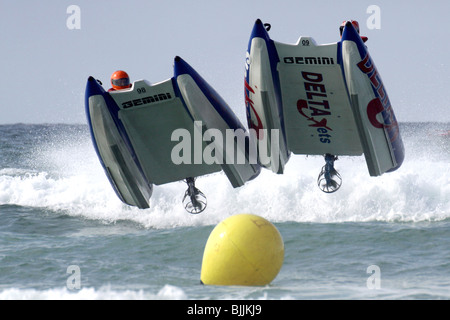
194 200
329 179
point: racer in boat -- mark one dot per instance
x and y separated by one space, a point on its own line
119 81
355 25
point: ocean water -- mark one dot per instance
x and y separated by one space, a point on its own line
376 238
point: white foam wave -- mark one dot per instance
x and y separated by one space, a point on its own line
75 183
168 292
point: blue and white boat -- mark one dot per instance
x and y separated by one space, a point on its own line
136 133
324 99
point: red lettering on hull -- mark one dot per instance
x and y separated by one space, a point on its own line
381 103
317 105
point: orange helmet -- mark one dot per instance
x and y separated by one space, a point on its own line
120 80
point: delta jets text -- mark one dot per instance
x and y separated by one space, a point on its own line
316 108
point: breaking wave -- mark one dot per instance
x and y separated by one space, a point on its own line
63 174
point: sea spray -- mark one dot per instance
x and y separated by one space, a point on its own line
63 174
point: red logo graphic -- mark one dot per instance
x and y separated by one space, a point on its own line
381 103
373 108
251 110
303 104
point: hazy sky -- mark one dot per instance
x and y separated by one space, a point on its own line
45 64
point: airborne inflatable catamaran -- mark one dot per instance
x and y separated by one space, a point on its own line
301 98
324 100
132 133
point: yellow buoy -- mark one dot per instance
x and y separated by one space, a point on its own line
244 249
